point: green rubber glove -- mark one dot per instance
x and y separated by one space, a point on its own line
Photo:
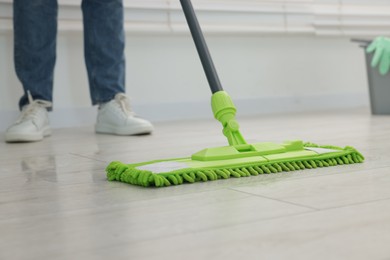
381 47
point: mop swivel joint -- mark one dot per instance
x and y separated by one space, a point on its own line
225 112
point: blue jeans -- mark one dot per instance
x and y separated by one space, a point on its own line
35 30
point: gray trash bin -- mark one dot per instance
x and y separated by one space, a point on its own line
379 85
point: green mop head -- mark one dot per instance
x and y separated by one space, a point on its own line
239 159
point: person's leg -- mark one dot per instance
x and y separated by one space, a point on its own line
104 43
35 29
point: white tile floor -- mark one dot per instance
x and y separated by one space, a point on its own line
55 202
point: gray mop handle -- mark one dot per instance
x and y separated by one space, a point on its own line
201 46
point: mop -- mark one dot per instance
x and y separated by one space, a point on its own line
239 159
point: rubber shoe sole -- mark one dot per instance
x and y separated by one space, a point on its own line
135 130
31 137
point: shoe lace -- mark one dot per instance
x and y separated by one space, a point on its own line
30 111
124 104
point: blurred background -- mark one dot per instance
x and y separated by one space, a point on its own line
272 56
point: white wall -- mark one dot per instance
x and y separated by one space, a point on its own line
264 73
165 79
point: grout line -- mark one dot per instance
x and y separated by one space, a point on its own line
278 200
249 222
313 208
198 231
120 206
355 204
87 157
294 178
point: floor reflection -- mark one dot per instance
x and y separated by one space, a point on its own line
39 168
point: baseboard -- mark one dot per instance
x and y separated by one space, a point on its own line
72 117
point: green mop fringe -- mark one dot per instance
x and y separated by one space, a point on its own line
117 171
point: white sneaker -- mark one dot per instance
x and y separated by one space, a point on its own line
116 117
32 124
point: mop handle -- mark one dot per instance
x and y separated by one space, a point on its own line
201 46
